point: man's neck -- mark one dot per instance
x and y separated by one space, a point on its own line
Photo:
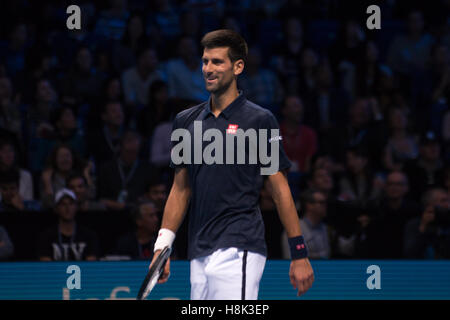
220 101
67 228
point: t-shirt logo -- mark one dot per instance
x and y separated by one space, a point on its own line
232 128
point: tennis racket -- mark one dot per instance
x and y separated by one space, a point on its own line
153 274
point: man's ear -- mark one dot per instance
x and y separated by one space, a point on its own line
238 67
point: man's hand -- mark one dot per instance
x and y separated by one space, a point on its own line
301 275
166 272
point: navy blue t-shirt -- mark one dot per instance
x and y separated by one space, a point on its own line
223 209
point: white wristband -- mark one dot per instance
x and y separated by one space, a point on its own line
165 239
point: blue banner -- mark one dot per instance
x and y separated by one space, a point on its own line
334 279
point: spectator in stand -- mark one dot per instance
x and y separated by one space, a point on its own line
112 22
315 231
111 92
260 84
6 246
184 73
8 162
160 143
346 54
82 83
166 19
62 162
67 241
401 145
134 37
287 59
320 179
64 122
156 192
387 218
138 245
78 184
37 121
272 223
121 181
10 117
299 140
10 198
103 143
365 127
359 183
17 46
368 71
427 170
326 106
156 111
137 80
428 236
308 72
190 25
410 52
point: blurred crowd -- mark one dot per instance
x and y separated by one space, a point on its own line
86 117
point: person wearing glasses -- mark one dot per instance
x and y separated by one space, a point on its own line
315 231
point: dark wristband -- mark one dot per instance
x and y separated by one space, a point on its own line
297 247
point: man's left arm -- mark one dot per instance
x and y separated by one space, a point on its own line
301 273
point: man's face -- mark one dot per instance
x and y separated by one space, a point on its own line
319 205
66 209
396 185
149 218
9 191
78 186
158 195
322 180
218 70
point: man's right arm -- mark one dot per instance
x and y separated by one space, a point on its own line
177 201
174 211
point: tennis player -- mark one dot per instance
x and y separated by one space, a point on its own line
226 245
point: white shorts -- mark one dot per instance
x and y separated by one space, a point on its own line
227 274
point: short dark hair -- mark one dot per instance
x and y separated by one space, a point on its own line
238 48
